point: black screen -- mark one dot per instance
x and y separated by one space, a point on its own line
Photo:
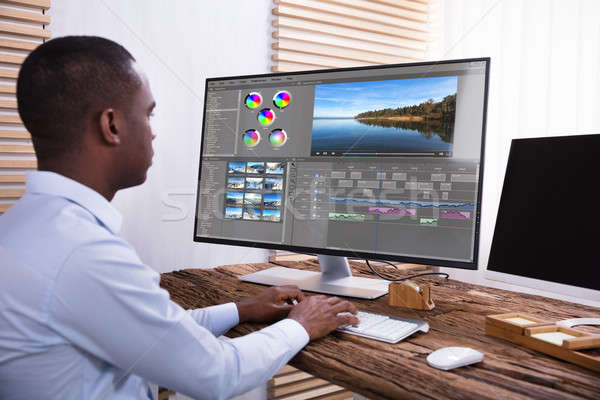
547 220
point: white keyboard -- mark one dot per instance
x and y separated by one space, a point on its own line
383 327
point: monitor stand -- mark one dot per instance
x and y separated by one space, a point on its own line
335 278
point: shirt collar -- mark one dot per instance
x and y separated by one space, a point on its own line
51 183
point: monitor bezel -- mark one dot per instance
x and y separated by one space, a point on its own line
473 265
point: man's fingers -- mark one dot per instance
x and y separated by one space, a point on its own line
347 319
289 292
334 300
284 307
344 306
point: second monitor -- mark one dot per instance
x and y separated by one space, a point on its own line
377 162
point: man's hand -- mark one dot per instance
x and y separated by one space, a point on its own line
269 305
319 314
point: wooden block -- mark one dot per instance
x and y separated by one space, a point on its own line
405 294
515 322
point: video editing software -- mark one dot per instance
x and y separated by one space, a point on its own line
382 161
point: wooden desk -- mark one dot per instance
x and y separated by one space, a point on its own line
400 371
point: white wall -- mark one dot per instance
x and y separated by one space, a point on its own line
179 44
544 81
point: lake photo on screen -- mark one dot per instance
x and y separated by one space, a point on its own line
392 116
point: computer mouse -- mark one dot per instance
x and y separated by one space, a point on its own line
453 357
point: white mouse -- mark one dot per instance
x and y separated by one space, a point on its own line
453 357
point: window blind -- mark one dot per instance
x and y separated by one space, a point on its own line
22 29
314 34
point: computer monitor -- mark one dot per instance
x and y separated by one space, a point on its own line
545 231
374 162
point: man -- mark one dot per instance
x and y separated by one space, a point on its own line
80 315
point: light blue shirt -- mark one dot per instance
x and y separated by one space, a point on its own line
81 317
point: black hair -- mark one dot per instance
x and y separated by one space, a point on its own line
66 82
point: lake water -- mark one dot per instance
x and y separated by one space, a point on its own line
349 134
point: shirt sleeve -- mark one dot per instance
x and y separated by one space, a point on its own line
108 303
217 319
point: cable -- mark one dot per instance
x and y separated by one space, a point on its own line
406 277
393 265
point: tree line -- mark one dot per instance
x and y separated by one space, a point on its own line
444 110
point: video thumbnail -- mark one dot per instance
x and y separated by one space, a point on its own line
275 168
254 167
254 183
252 214
233 213
234 199
272 200
253 199
272 215
236 167
234 182
274 184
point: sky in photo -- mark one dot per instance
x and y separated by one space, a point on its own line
345 100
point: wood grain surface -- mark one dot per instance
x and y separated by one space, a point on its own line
380 370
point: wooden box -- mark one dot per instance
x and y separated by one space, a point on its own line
568 344
514 322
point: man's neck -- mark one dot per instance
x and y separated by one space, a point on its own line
92 177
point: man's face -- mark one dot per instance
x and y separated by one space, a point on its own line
137 137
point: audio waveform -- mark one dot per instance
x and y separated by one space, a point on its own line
451 214
404 203
403 212
346 217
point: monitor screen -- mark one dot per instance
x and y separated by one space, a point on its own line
373 162
538 235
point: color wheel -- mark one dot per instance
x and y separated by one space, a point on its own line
251 137
277 137
253 100
282 99
266 117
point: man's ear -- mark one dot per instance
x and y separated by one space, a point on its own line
108 127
